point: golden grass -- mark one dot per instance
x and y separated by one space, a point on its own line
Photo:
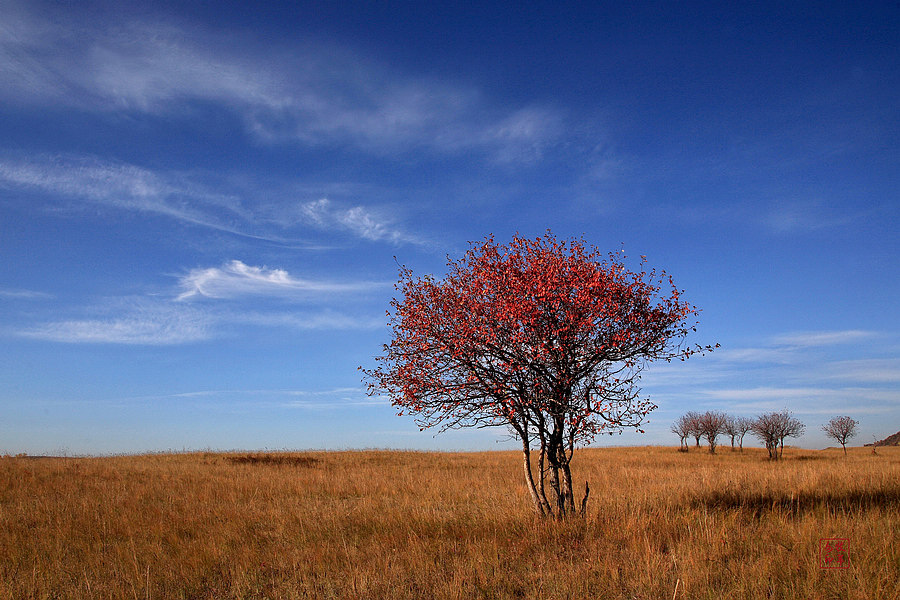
435 525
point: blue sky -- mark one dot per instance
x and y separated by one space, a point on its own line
200 203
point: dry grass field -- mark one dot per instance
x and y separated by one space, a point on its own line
660 524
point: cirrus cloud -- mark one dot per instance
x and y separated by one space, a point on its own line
823 338
313 94
362 222
236 278
133 321
74 181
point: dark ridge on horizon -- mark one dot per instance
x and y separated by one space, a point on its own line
891 440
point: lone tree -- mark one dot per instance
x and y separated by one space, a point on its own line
545 337
711 425
773 428
841 429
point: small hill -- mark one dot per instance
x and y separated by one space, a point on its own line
891 440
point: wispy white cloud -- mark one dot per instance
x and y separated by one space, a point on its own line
764 355
19 294
866 370
810 400
823 338
779 350
238 279
124 65
364 223
333 398
157 321
124 186
76 180
788 217
135 321
767 393
324 320
525 135
319 399
806 372
311 94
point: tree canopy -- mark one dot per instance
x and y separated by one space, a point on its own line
841 429
543 336
772 429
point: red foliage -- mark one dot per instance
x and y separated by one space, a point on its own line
538 323
545 336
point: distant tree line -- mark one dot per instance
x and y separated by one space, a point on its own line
771 429
710 425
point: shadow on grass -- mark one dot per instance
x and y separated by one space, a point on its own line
760 504
273 459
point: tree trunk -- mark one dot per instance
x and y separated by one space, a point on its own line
566 458
529 477
557 491
568 492
543 473
556 458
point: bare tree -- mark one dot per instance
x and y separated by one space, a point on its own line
765 427
712 425
693 421
841 429
792 427
773 428
683 427
741 426
730 429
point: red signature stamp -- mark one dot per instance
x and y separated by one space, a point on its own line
834 553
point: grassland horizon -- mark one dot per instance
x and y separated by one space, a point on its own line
417 524
65 453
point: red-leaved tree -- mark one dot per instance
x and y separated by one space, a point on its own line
543 336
